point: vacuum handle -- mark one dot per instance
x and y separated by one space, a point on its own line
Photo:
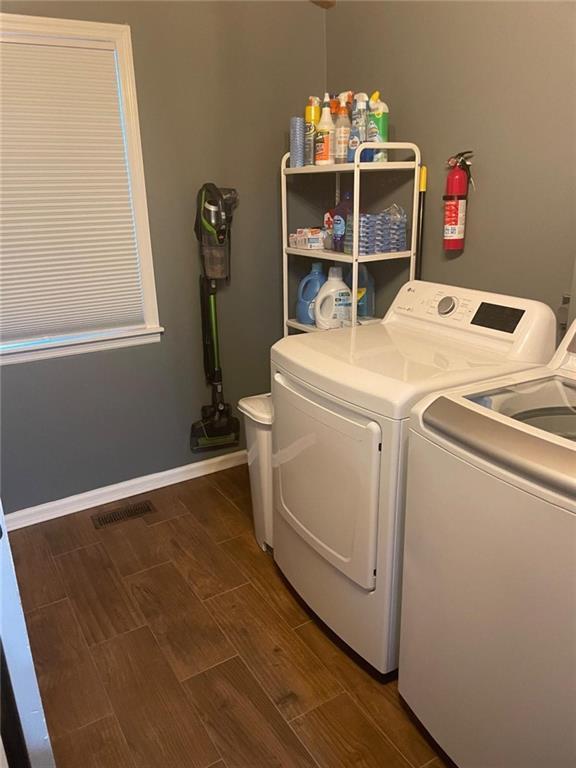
210 341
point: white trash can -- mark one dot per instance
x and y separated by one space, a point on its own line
258 415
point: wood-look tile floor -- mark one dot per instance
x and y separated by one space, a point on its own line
172 641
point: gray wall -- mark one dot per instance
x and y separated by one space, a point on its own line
495 77
216 85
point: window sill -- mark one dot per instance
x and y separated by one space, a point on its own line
39 349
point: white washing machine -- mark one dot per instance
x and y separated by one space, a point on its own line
488 641
341 404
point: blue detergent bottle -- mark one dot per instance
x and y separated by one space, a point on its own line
366 291
307 292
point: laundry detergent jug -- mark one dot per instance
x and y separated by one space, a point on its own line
333 305
366 290
307 292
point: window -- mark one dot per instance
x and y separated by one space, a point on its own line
75 258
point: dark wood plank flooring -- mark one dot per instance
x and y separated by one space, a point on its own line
72 691
98 745
172 641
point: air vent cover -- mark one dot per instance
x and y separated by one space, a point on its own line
120 514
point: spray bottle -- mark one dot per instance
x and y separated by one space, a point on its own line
342 129
378 125
324 146
311 118
334 103
359 124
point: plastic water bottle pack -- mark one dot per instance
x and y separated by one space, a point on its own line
383 232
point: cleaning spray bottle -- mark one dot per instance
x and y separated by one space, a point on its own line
378 125
342 129
324 146
359 124
334 104
311 119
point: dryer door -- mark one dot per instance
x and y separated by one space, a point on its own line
327 471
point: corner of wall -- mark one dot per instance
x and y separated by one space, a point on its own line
325 12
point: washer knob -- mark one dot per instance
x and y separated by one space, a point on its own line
446 305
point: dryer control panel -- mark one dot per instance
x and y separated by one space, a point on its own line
506 320
459 306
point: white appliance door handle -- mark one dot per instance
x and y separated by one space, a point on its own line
308 395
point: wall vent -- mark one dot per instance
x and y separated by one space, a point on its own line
128 511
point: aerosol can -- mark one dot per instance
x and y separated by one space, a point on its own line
311 120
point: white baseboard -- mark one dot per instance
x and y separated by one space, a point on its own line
80 501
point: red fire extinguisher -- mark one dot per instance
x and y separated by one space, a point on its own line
455 200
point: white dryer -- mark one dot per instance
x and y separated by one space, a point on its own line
341 404
488 641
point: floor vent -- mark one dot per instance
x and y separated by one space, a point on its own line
126 512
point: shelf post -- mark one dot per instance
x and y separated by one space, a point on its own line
355 235
415 203
284 195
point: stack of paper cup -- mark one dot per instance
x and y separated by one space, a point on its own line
296 142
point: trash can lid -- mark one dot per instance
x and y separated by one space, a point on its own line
258 407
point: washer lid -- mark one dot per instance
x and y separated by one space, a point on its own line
547 460
547 403
386 368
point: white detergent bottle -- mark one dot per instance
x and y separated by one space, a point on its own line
333 307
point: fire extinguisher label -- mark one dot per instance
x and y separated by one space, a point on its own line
454 219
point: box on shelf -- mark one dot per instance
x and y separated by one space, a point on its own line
309 237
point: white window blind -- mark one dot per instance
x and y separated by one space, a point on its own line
75 260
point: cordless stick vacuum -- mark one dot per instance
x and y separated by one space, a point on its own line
217 428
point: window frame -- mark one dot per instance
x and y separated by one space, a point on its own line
17 27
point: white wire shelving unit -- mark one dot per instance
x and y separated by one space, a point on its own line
356 168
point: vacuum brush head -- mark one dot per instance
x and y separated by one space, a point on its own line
215 430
